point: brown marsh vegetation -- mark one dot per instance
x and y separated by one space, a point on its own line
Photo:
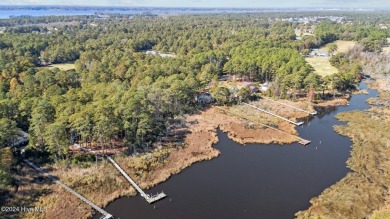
101 183
364 192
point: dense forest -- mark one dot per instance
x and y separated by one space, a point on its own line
118 94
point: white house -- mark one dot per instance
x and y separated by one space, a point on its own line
265 86
151 52
317 52
164 55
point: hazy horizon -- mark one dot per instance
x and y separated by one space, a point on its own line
378 4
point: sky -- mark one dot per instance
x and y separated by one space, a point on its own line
212 3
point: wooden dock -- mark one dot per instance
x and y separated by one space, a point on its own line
273 114
301 140
304 141
149 198
291 106
105 214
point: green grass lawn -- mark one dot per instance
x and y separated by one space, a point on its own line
322 66
64 67
343 46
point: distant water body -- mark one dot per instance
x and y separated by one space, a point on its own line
9 11
35 11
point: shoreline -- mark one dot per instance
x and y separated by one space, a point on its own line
363 192
155 167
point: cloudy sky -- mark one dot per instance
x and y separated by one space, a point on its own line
210 3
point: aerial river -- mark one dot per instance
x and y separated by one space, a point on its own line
254 180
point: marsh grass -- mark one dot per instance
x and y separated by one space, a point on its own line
101 184
363 190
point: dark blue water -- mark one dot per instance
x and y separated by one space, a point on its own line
255 180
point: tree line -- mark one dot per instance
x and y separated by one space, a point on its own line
118 94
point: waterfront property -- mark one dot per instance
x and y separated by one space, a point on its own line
105 214
291 106
301 141
149 198
273 114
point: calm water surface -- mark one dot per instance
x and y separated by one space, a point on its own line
255 180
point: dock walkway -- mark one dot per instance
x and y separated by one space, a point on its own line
301 140
149 198
105 214
273 114
291 106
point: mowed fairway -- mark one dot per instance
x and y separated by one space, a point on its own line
63 67
343 46
322 66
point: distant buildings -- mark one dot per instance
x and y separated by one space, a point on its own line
307 20
384 26
264 87
167 55
320 53
164 55
151 52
